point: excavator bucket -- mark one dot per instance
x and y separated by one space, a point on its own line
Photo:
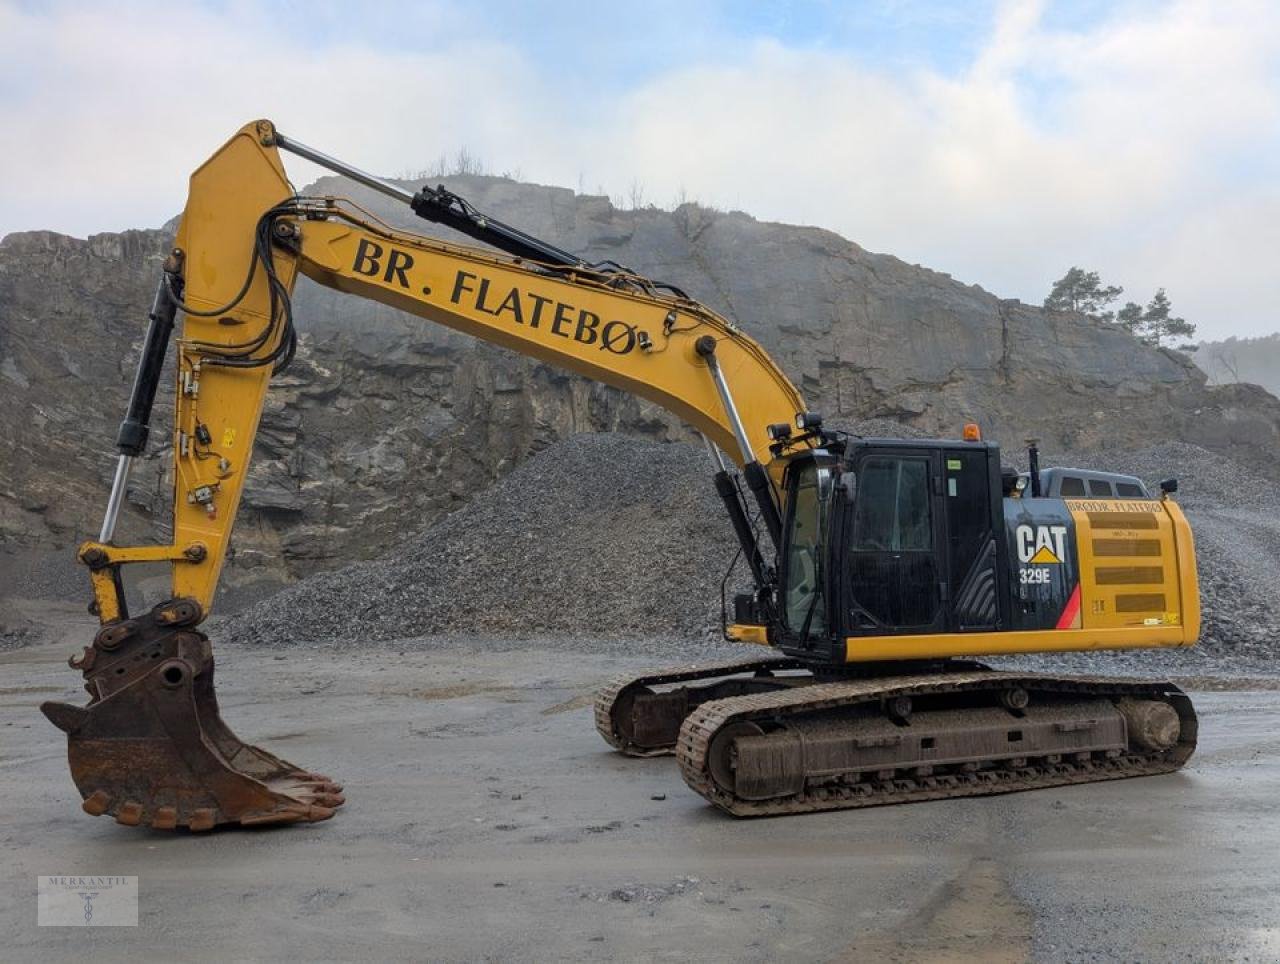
151 749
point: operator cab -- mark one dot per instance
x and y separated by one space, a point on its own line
891 537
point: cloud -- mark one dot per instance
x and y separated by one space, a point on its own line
1143 144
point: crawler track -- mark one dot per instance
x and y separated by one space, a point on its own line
835 705
613 696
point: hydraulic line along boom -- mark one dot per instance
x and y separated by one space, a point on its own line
442 207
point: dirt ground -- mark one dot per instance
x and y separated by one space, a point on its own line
487 821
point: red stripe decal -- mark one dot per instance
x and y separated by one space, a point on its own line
1071 610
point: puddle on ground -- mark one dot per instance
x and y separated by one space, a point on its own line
973 917
458 691
577 703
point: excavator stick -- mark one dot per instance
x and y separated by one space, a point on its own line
152 749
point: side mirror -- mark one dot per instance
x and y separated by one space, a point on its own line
1169 486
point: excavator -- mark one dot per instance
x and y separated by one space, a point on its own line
879 568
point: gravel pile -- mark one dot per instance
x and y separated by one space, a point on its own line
607 538
52 574
1205 479
16 637
599 536
45 575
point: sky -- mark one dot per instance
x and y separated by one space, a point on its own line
1000 142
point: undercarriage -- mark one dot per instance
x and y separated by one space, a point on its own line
766 737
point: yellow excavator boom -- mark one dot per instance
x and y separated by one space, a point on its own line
610 326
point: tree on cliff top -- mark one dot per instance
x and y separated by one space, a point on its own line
1083 291
1156 322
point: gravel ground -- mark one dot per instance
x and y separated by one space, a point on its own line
607 543
487 821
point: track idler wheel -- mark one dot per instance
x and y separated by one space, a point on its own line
1152 724
774 778
151 749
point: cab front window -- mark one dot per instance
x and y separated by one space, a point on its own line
804 605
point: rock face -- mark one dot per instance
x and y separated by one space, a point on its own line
384 423
72 318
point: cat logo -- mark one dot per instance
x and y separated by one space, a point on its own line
1044 554
1041 544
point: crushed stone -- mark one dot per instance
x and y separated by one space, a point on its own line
600 537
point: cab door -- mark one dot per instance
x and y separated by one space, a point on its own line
895 571
974 552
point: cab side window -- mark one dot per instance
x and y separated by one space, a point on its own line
1071 486
893 511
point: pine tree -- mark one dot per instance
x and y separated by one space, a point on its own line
1159 323
1083 291
1130 317
1156 322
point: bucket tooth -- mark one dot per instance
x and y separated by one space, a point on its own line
329 800
302 814
130 814
97 803
165 818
